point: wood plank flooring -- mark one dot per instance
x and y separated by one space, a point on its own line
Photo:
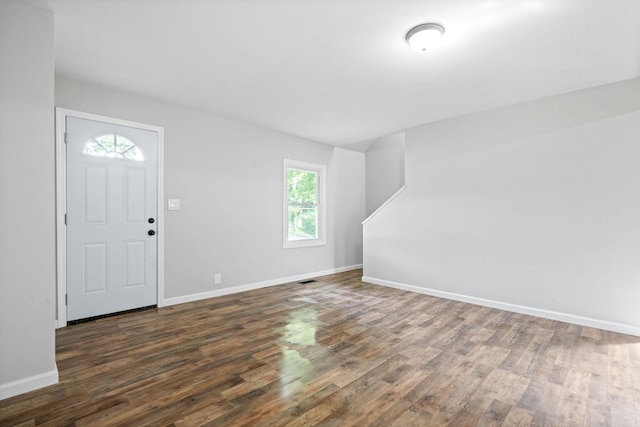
337 352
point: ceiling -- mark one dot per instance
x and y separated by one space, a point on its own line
339 71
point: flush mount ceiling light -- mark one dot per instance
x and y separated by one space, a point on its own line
424 36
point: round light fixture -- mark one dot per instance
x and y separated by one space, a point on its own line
424 36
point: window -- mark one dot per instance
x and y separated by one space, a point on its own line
113 146
304 204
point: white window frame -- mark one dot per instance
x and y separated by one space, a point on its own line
320 170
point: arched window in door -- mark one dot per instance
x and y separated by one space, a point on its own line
112 146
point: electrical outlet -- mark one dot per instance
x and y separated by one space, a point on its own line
217 279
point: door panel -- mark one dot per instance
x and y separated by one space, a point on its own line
94 193
94 268
134 263
111 194
134 188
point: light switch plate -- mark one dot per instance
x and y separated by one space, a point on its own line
174 204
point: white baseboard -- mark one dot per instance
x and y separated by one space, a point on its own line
252 286
25 385
547 314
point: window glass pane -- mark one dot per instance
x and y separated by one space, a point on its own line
301 186
303 215
303 222
112 146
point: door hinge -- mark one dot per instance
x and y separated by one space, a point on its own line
65 219
65 137
66 299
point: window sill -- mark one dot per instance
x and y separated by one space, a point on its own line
303 243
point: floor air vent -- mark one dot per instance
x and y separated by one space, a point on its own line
304 282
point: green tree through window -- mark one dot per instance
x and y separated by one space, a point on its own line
304 204
302 198
113 146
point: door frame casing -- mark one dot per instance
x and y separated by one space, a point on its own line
61 204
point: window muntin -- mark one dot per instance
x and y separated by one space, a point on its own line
112 146
304 204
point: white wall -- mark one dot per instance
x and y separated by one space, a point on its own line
385 169
229 178
533 208
27 217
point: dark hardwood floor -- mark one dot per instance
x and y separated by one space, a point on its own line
337 352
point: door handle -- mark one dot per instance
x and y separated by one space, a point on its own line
151 220
151 232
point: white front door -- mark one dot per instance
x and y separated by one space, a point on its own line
111 218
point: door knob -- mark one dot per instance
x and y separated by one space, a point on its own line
151 220
151 232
